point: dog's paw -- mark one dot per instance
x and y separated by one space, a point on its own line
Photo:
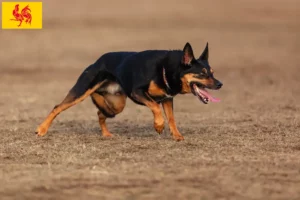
159 126
178 137
41 131
107 134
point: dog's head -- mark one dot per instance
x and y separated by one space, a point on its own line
196 75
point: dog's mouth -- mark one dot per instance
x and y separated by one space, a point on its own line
202 94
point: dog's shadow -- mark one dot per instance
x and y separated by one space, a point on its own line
124 128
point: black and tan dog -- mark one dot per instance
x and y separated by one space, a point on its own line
148 78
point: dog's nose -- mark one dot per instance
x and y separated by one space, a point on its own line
219 85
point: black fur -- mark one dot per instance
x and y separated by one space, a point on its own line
135 70
147 78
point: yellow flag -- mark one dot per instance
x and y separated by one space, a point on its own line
22 15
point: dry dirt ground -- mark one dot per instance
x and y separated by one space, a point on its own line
246 147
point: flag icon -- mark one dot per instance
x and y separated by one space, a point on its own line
22 15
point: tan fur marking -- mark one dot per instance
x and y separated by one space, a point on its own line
155 108
116 102
188 78
112 104
104 129
155 90
100 101
168 109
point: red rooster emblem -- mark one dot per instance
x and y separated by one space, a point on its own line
25 14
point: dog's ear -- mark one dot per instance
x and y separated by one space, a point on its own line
188 54
205 54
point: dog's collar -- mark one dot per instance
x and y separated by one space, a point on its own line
165 79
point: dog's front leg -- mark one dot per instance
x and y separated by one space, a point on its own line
168 109
144 98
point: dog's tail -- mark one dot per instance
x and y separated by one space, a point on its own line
86 80
98 72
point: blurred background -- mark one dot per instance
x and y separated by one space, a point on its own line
254 50
254 45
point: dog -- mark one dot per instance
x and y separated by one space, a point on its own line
148 78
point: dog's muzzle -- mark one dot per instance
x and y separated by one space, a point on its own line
202 94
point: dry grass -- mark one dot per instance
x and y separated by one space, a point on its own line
246 147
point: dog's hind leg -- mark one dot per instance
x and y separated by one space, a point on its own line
168 109
109 105
70 100
144 98
102 118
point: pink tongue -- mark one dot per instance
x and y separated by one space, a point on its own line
211 98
